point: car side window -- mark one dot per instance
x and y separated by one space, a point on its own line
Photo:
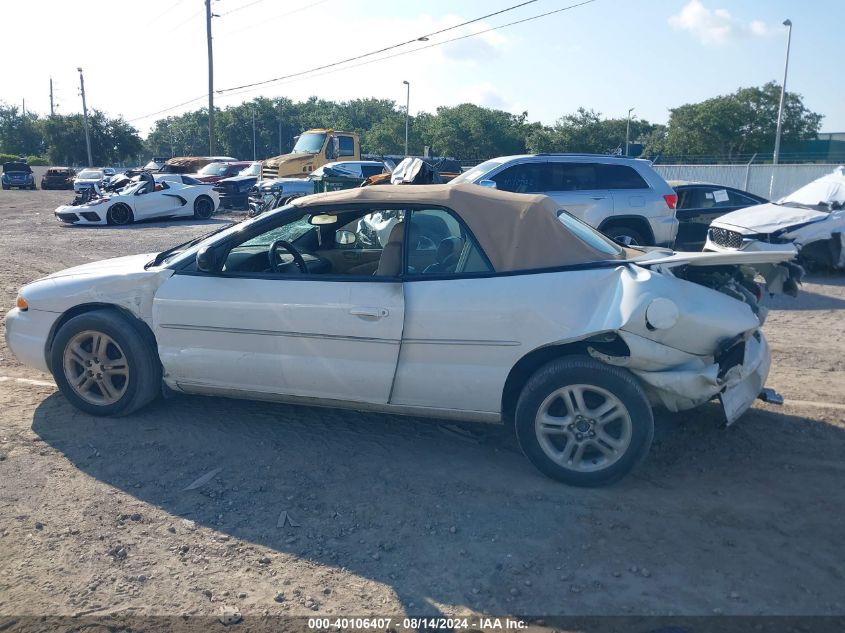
619 177
347 145
524 178
738 200
440 244
571 177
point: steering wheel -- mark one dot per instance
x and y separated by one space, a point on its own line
297 257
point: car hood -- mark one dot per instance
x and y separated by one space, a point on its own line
116 265
768 218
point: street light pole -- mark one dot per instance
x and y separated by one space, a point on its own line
407 112
85 118
253 132
210 78
776 155
628 130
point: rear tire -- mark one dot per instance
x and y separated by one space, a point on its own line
105 363
625 235
120 214
583 422
203 207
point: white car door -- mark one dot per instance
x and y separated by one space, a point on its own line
154 204
332 337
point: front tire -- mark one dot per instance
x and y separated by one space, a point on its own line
203 207
120 214
105 364
583 422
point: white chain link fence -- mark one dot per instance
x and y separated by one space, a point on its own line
753 178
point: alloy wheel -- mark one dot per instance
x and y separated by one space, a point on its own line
583 427
96 368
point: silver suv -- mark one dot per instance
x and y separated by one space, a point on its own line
622 197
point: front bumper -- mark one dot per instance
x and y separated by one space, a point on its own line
27 334
695 383
747 245
81 215
234 200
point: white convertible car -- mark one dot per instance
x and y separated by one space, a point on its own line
476 304
143 200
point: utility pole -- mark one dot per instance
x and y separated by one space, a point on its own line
280 127
85 118
210 79
52 108
407 113
628 131
253 132
776 155
23 107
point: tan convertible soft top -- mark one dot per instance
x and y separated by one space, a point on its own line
516 231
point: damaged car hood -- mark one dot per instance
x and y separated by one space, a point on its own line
769 218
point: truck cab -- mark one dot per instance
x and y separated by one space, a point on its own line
313 149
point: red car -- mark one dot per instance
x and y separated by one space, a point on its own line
218 171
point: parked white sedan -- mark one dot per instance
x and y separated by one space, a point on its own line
474 304
144 200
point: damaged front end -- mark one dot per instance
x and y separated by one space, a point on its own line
693 334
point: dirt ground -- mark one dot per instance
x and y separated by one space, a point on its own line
393 515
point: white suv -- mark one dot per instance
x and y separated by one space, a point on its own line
622 197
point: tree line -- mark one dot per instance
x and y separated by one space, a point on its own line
724 129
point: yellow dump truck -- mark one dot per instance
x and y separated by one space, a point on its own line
313 149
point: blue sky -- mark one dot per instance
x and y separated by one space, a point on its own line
609 55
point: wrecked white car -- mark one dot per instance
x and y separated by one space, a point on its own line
475 304
809 223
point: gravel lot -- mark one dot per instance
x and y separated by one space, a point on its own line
400 515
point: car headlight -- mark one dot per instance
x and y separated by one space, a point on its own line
661 314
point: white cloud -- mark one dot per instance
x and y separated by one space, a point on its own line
483 94
715 26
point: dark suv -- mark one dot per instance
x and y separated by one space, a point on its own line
18 175
58 178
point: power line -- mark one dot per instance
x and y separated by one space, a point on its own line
241 8
421 38
273 19
293 78
231 92
178 105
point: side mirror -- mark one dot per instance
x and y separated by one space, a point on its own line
207 260
345 237
491 184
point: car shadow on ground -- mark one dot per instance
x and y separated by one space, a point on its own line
452 513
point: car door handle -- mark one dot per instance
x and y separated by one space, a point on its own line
370 313
598 197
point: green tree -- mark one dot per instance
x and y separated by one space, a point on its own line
729 127
585 131
468 131
19 133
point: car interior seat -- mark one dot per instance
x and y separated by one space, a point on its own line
448 254
390 262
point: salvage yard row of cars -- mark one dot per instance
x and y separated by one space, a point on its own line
493 297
